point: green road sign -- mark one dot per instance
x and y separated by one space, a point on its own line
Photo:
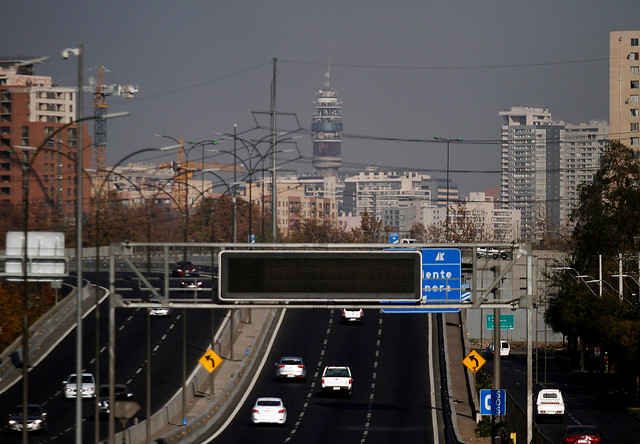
506 322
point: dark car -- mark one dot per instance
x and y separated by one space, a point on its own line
581 434
122 393
36 419
183 267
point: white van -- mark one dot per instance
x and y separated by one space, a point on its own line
505 348
550 404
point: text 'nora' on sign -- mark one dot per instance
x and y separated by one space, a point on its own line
441 275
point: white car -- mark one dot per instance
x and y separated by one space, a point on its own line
87 386
505 348
159 311
337 379
352 315
550 403
291 367
269 410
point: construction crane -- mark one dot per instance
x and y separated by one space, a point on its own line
185 169
100 92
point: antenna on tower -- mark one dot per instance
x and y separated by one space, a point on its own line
327 74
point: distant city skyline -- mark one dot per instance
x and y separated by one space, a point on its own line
406 72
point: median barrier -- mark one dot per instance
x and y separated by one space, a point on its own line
166 423
44 334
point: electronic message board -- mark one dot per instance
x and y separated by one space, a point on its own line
320 276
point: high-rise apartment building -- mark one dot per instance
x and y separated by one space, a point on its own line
581 149
624 87
544 162
33 113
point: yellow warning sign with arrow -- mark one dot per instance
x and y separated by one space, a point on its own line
210 360
474 361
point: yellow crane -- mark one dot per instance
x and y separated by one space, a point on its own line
184 170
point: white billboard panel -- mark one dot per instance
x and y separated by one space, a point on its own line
45 255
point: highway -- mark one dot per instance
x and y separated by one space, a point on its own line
389 361
582 394
45 380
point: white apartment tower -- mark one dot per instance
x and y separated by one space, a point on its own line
524 163
544 162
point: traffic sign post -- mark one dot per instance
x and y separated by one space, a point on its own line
441 280
210 360
493 402
474 361
506 322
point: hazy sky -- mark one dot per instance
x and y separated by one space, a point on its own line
403 69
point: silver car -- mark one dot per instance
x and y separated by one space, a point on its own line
291 367
87 386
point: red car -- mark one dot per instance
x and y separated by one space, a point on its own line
581 434
183 267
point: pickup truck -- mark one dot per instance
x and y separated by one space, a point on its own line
550 404
337 379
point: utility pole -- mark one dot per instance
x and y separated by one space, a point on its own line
274 194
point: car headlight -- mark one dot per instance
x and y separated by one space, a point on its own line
12 422
37 421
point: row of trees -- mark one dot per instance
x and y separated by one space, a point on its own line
606 227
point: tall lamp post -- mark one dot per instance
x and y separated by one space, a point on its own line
448 143
79 52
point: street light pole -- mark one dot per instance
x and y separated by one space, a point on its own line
448 190
79 52
235 157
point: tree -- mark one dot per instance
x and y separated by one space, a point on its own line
605 224
606 218
370 230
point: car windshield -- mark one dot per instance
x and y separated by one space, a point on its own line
337 372
269 403
582 431
120 390
291 361
32 410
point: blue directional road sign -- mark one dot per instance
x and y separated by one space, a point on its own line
493 402
394 237
441 280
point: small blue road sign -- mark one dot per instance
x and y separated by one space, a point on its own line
394 238
493 402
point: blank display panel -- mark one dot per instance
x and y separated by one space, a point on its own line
312 276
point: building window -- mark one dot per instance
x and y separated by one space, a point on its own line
48 136
634 126
633 56
634 84
634 42
25 136
633 98
635 140
634 70
72 137
634 112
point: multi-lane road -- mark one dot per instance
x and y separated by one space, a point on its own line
45 380
388 357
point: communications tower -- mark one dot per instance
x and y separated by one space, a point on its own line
326 127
